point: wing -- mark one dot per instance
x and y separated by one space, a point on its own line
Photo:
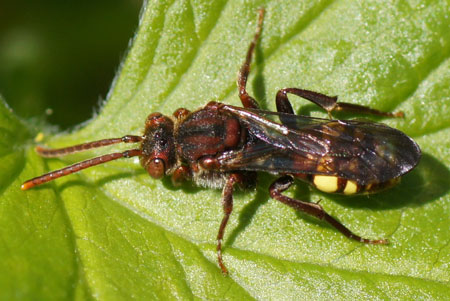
365 152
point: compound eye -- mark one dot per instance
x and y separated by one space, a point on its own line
153 116
156 168
154 120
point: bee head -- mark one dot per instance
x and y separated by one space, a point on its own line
158 148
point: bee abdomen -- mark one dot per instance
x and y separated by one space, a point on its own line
334 184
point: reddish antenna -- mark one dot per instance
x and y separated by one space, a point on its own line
58 152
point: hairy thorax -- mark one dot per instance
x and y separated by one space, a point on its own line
203 135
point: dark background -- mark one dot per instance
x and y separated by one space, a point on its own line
58 58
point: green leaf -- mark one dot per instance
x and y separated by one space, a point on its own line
113 232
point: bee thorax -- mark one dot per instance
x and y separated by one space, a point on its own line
209 179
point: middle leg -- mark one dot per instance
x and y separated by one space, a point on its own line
227 203
246 99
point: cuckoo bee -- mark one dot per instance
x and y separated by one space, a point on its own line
221 146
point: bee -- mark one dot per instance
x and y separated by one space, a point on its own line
220 146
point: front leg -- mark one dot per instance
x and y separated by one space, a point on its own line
313 209
181 174
328 103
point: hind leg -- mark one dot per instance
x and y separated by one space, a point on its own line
313 209
328 103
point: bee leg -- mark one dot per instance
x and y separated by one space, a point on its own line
313 209
246 99
227 203
328 103
181 174
284 106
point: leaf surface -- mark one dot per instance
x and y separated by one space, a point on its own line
113 232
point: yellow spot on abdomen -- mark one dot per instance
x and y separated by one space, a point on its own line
326 183
351 187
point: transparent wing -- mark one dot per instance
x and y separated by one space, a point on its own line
365 152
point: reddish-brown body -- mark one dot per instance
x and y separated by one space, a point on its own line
206 132
220 145
207 145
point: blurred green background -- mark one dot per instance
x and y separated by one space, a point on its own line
58 58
